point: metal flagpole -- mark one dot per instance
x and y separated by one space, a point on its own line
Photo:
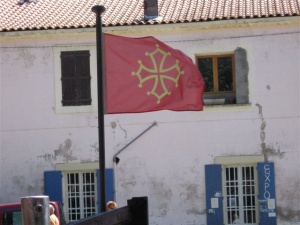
98 10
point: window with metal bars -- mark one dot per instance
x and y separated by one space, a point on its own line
81 194
240 195
75 78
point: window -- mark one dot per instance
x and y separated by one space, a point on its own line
75 79
225 77
12 218
240 194
81 194
218 73
77 188
240 190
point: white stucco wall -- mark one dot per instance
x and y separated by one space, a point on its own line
167 162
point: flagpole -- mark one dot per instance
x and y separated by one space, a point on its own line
98 10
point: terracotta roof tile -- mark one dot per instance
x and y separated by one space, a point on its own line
56 14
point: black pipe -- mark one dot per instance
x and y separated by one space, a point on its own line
98 10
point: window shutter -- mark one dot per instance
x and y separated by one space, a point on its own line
109 186
214 198
266 193
76 78
53 185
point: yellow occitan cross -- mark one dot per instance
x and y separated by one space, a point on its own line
158 73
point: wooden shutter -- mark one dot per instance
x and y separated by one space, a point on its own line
109 186
76 78
214 197
53 185
266 193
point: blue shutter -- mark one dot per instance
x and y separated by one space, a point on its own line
266 193
109 186
53 185
213 186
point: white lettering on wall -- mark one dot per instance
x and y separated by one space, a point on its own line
267 172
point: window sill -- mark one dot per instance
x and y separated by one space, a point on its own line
76 109
227 106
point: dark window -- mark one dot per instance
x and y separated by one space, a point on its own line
219 77
76 78
12 218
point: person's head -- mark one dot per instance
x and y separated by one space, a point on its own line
51 209
111 205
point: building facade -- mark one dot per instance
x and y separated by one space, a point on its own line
235 162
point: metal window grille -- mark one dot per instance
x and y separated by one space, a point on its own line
241 195
81 194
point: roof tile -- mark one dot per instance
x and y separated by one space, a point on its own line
55 14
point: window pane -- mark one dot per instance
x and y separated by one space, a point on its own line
225 74
205 66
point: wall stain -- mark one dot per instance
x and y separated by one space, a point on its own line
289 195
19 181
45 58
95 149
129 183
64 150
125 132
34 188
27 57
48 158
288 215
5 56
267 150
193 211
160 190
113 124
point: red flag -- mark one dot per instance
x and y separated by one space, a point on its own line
144 74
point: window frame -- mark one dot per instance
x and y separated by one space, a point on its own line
215 72
240 207
57 177
241 80
66 168
76 74
81 194
59 108
239 161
